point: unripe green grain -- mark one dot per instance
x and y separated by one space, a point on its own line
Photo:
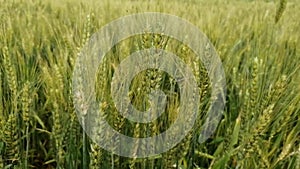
95 156
10 71
280 10
254 88
258 130
11 139
26 100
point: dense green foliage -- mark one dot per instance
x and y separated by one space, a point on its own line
39 43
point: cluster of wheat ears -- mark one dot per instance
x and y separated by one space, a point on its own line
39 44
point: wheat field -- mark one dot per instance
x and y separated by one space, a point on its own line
256 40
